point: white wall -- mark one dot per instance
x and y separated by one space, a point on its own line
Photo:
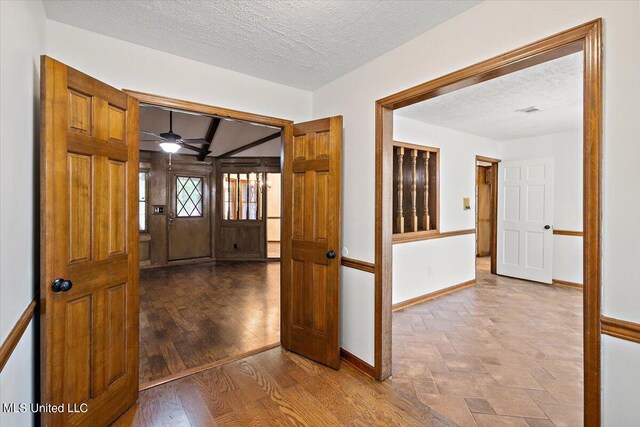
430 265
428 56
487 30
566 149
129 66
22 40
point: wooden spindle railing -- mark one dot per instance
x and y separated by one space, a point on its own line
426 220
413 212
400 214
415 200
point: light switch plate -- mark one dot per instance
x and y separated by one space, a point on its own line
466 204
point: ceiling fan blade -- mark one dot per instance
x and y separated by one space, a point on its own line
192 148
196 141
152 135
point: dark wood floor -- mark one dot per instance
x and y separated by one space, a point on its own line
278 388
195 315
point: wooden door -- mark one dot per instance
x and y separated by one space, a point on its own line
525 219
485 211
311 239
89 247
189 218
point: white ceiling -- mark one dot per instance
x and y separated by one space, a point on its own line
300 43
229 135
489 109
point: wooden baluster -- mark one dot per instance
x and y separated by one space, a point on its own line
400 214
228 178
426 220
259 196
414 188
247 191
238 199
255 196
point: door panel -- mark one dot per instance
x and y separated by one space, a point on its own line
89 178
525 208
310 229
189 219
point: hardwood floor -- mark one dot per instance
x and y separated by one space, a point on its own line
278 388
194 315
503 352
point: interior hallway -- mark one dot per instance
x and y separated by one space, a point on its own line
503 352
198 314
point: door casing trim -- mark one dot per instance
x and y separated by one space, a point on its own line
178 104
586 38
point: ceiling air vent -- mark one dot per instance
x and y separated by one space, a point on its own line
531 109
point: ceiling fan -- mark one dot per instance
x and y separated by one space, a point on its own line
171 142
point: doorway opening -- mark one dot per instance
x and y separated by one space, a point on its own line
486 210
209 220
585 41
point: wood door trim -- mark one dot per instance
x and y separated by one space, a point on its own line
586 38
431 295
206 367
164 101
622 329
428 235
568 284
487 159
357 363
494 207
357 264
568 233
16 333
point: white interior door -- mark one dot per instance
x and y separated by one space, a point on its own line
525 219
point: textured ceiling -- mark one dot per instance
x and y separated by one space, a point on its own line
489 109
230 134
300 43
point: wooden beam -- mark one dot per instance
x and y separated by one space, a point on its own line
211 133
250 145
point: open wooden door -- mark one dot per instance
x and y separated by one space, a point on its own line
89 247
311 239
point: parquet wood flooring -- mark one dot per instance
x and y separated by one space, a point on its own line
503 352
198 314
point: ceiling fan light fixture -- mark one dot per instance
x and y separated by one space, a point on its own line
170 147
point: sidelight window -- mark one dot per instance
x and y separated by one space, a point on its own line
188 196
142 200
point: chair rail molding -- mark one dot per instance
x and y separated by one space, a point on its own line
12 340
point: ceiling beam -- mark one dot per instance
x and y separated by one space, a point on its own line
211 133
250 145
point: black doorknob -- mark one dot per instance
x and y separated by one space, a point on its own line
61 285
546 227
331 254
